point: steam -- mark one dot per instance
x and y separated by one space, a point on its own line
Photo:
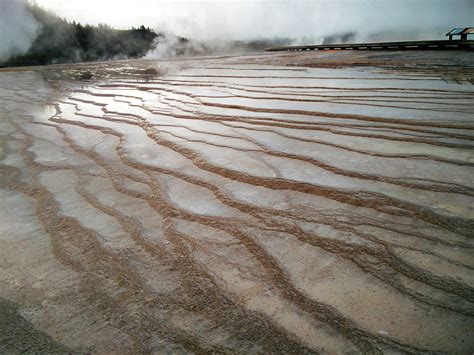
165 47
189 27
314 20
301 20
168 45
18 29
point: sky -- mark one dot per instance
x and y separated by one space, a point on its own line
250 19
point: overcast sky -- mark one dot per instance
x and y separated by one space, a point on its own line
246 19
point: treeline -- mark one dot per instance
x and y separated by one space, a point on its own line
61 41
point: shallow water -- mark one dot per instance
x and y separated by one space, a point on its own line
239 208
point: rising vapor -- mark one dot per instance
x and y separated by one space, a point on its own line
18 29
301 20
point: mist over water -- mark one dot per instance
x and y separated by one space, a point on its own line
213 26
299 20
18 29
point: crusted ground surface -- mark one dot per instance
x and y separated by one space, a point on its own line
270 203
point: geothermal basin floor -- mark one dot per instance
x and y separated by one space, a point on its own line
236 205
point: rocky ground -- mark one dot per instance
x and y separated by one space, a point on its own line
267 203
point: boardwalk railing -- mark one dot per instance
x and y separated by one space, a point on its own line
441 44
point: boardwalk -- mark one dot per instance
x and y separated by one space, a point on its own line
441 44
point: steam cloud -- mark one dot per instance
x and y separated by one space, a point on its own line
296 22
213 25
302 20
168 45
18 29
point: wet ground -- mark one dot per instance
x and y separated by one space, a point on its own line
269 203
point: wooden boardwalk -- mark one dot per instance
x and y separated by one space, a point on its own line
441 44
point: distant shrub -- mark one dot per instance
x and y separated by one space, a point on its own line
87 75
151 71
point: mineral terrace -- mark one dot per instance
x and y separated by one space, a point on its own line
267 203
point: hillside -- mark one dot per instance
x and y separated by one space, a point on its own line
61 41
